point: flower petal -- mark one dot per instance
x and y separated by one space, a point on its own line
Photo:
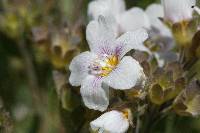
94 93
126 75
79 67
105 8
154 11
99 33
178 10
165 57
197 9
98 7
117 6
133 19
132 40
113 122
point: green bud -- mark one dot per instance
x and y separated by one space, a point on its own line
164 86
187 103
183 32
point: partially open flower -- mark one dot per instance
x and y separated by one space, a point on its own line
62 51
105 65
112 122
187 103
176 11
179 15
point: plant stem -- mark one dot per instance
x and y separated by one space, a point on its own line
137 129
31 75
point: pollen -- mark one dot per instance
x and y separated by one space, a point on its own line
103 66
110 64
126 113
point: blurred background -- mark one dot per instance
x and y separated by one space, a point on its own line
38 39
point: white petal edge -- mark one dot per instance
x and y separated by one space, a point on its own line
118 7
99 32
113 122
126 75
105 8
133 19
95 94
132 40
154 11
98 7
79 67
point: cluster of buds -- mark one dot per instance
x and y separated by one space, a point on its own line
58 45
166 83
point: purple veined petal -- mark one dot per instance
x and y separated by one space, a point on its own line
126 75
99 33
106 50
79 67
119 49
95 94
131 40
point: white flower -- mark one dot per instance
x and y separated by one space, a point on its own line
112 122
177 11
131 19
106 64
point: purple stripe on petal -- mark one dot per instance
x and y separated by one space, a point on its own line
105 50
96 81
105 47
118 50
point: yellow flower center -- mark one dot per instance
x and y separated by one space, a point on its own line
126 113
109 64
103 66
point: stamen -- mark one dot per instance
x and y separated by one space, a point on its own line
126 113
102 67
